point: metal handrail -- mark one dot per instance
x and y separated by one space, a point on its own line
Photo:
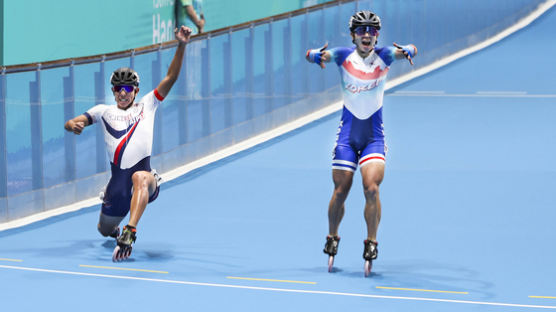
163 45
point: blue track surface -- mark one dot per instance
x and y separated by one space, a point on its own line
467 225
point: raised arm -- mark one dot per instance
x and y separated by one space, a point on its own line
182 35
319 56
405 51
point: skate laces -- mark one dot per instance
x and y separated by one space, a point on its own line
331 246
128 236
370 252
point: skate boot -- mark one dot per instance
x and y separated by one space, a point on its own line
331 248
369 254
125 244
115 233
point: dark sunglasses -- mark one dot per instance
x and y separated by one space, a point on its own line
127 89
361 30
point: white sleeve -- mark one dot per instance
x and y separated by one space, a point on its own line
151 100
95 112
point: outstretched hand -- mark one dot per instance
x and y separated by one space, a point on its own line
316 55
322 50
405 53
183 34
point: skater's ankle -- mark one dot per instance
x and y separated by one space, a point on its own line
374 241
131 228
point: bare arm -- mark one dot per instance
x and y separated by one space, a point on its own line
182 35
77 124
200 22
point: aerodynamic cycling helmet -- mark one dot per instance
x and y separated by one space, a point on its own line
364 18
124 76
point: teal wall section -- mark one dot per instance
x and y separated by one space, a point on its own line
223 13
47 30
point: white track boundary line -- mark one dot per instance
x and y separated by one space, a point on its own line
241 146
319 292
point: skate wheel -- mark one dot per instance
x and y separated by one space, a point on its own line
330 263
127 253
115 254
120 254
368 267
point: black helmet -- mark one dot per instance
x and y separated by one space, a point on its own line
364 18
124 76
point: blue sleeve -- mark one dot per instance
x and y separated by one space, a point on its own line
340 54
89 118
387 54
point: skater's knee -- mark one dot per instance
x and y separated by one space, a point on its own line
104 231
140 180
108 230
371 190
341 193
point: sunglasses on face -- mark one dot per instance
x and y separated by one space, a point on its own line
361 30
127 89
